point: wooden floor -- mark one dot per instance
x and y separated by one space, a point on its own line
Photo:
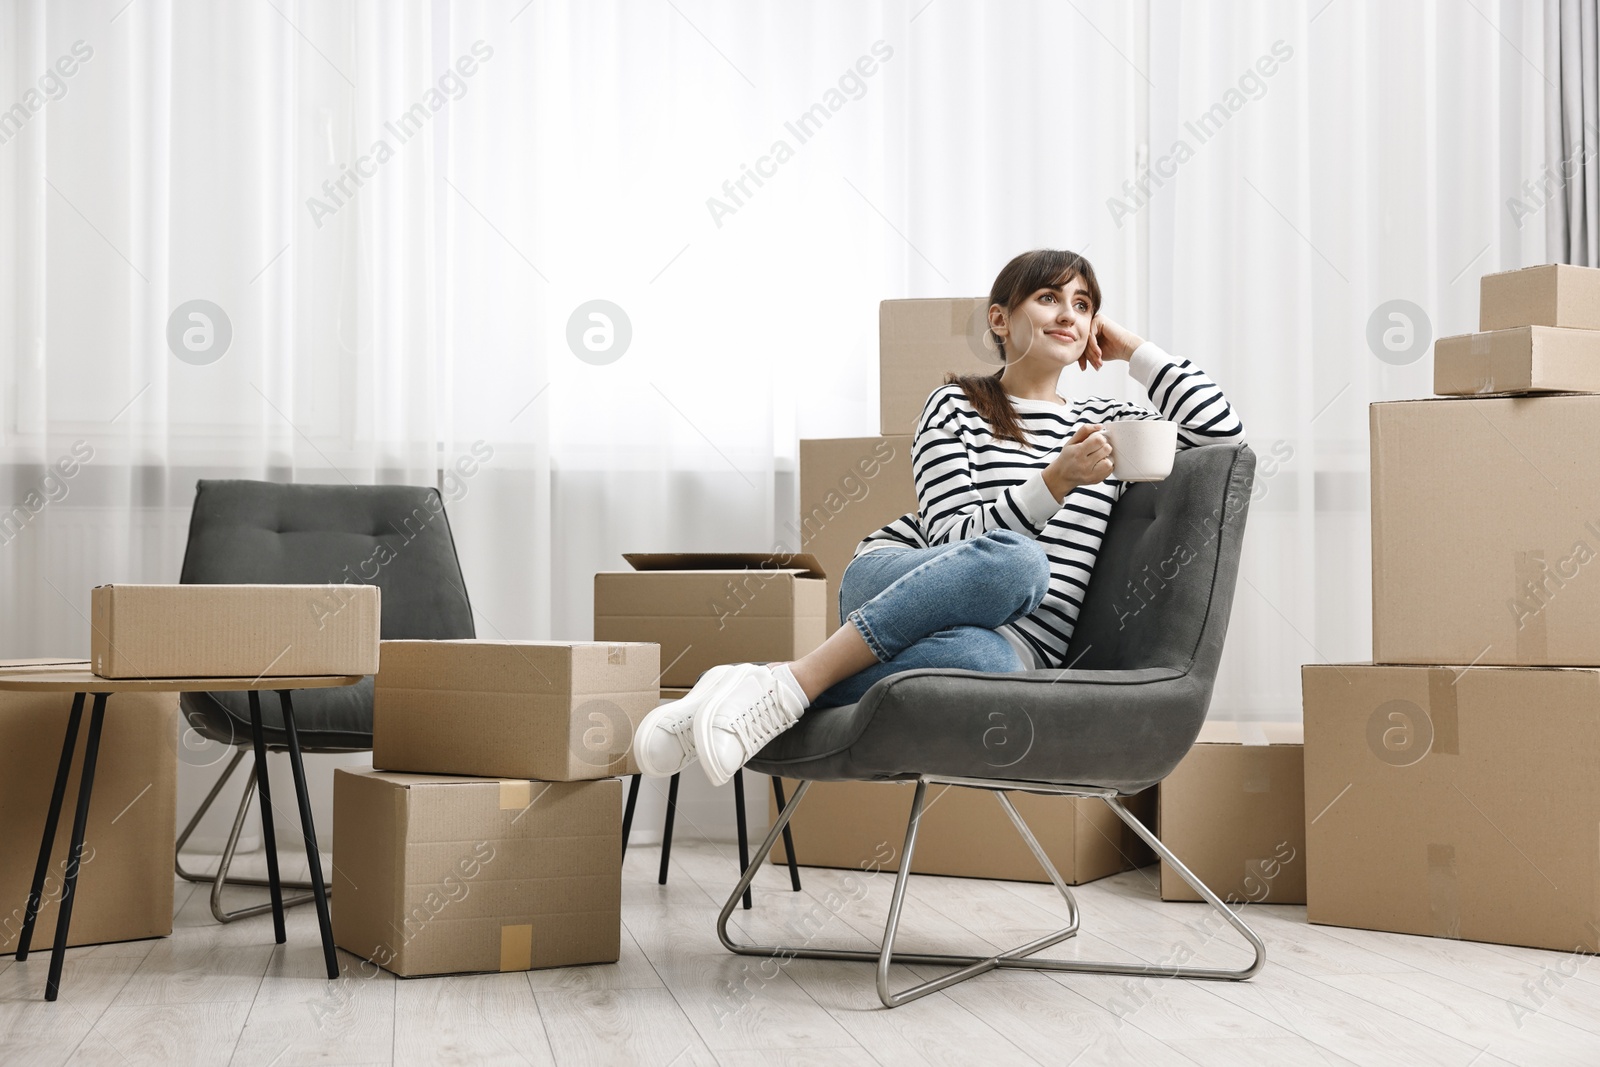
215 994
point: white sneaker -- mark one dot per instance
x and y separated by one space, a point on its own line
663 745
739 719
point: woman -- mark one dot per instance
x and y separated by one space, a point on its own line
1014 492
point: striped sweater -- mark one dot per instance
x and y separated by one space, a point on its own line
968 482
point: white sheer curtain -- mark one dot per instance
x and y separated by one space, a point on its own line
383 330
1378 162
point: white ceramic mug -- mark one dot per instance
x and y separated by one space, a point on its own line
1142 450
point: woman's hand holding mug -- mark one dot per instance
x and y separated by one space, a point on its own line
1084 460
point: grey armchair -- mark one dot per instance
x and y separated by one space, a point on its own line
247 532
1144 658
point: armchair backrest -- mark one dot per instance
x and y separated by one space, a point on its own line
1162 587
396 537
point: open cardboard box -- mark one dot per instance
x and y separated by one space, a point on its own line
710 608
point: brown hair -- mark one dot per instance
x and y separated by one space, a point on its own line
1025 275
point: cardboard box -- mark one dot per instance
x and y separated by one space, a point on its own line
558 711
234 631
1553 294
125 880
448 875
964 832
849 487
1234 812
1454 802
707 608
1524 359
919 341
1485 531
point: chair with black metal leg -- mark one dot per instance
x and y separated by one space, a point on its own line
739 817
250 532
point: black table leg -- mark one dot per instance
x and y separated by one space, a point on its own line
269 836
744 837
313 858
80 820
627 813
666 830
51 820
788 838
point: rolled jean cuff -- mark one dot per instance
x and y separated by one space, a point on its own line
868 636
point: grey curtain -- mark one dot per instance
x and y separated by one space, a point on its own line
1572 112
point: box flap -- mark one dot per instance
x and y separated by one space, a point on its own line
802 564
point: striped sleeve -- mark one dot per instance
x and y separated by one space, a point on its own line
949 506
1185 396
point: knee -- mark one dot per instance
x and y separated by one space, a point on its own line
1021 564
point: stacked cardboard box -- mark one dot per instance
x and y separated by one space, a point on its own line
488 836
1450 785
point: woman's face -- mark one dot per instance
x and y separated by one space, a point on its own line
1052 323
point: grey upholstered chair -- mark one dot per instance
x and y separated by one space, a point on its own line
1143 658
246 532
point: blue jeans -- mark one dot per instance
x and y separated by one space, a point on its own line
938 607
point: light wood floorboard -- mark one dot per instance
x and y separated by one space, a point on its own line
215 994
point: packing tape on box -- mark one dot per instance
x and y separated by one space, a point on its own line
516 948
1444 892
617 655
1480 343
1442 711
514 796
1533 636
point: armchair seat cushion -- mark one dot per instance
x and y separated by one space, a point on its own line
1105 729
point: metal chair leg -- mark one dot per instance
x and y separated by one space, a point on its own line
788 838
223 876
666 830
744 836
1019 957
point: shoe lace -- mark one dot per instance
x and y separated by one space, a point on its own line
685 735
763 721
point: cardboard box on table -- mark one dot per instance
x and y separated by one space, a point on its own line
1234 812
919 341
1552 294
436 874
849 487
709 608
1523 359
557 711
1455 802
239 631
125 880
963 832
1486 531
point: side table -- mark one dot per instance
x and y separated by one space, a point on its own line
81 683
